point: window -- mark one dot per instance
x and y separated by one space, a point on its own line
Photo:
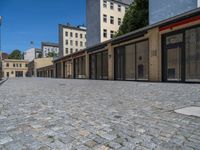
81 44
105 4
71 42
105 18
131 61
7 65
119 8
111 20
16 65
99 65
66 50
119 21
105 33
66 42
93 66
192 54
79 67
142 60
76 35
76 50
81 36
12 72
111 34
66 33
71 50
111 5
20 65
76 43
13 65
174 39
71 34
26 65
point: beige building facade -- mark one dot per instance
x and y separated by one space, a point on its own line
71 39
14 68
38 63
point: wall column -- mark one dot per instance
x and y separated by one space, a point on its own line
72 68
61 71
87 66
110 62
54 70
154 55
35 70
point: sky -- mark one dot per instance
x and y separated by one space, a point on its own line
37 20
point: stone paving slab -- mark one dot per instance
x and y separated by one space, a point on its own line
61 114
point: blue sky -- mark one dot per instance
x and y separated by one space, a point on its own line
37 20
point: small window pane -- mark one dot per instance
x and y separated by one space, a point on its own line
174 39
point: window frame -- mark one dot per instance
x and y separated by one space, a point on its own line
112 20
105 33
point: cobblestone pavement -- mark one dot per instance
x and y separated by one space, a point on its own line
101 115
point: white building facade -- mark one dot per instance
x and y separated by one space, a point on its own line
71 39
32 53
104 18
48 47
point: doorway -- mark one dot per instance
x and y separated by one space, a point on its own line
173 57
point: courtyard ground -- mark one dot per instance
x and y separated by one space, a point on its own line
61 114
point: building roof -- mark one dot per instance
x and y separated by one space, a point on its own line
50 44
70 55
80 28
4 56
49 66
126 2
35 49
15 60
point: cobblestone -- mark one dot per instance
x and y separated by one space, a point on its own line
49 114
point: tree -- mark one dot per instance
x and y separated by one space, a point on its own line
40 55
137 16
52 54
16 54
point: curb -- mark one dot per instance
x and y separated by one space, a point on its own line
2 81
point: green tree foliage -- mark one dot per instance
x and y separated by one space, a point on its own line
16 54
40 55
137 16
52 54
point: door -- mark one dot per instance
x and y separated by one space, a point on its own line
173 56
174 63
